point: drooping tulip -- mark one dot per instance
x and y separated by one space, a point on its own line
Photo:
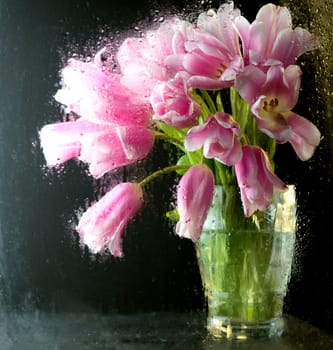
194 198
256 180
104 147
101 227
115 147
60 142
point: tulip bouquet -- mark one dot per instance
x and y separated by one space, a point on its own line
220 90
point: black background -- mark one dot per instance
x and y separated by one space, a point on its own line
42 265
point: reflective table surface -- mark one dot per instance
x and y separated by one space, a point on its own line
74 331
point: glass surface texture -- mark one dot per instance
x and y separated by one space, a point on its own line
54 294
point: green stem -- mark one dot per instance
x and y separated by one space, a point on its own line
209 101
272 150
221 174
205 111
161 172
244 265
170 139
219 102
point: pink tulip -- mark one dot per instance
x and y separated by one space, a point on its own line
63 141
104 147
173 104
139 73
213 55
272 96
92 92
256 180
219 138
60 142
101 227
115 147
143 61
194 198
270 39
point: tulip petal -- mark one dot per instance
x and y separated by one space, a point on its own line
194 197
256 180
101 227
305 136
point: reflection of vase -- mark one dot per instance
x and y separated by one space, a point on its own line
245 264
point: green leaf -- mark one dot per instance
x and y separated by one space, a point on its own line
172 131
183 160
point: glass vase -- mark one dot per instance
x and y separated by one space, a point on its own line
245 264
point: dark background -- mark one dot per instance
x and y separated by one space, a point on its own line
42 265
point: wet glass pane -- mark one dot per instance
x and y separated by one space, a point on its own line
54 294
